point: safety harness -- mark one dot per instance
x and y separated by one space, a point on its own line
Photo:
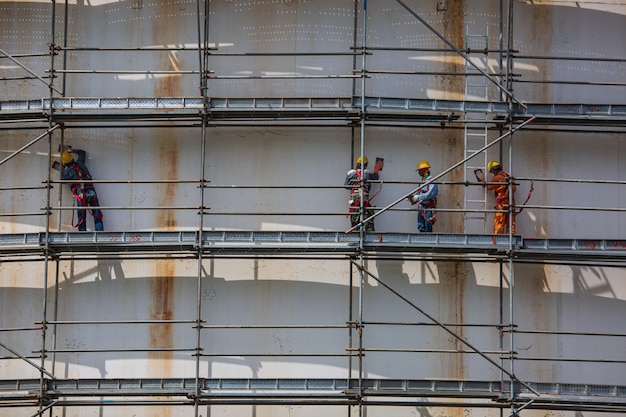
355 196
80 195
430 204
521 207
530 192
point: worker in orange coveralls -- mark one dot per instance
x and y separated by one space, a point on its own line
503 200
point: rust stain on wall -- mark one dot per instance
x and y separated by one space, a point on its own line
453 278
542 38
167 86
164 30
452 196
161 308
168 163
453 87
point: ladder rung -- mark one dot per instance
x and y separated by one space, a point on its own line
476 217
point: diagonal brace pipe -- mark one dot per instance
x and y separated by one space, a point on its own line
515 412
52 129
444 327
29 362
458 51
47 407
436 177
29 71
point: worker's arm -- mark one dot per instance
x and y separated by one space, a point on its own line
81 156
351 178
427 193
68 174
496 178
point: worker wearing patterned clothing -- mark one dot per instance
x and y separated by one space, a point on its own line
356 177
426 198
503 200
84 192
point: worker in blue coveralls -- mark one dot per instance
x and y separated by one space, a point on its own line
426 198
84 192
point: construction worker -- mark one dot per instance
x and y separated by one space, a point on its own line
503 200
83 192
356 177
426 198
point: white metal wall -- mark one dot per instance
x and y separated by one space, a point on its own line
261 291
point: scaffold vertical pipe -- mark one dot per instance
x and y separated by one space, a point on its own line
362 211
44 318
351 319
57 265
203 22
509 87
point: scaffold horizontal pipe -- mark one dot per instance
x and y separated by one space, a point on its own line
282 54
596 83
129 181
63 208
270 355
546 359
437 73
70 322
570 58
390 323
25 214
452 351
274 326
467 50
575 180
147 72
111 350
564 333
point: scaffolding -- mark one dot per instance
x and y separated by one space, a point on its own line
56 113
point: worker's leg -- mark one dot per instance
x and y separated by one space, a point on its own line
92 200
428 222
423 224
369 225
500 224
97 220
82 219
355 218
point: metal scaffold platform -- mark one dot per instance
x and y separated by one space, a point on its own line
226 243
232 391
68 109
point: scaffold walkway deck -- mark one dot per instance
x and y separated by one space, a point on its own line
63 109
556 396
217 243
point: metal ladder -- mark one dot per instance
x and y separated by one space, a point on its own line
475 133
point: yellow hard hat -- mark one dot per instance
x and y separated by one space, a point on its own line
492 164
66 157
422 164
364 160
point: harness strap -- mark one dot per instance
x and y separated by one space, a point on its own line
530 192
82 197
